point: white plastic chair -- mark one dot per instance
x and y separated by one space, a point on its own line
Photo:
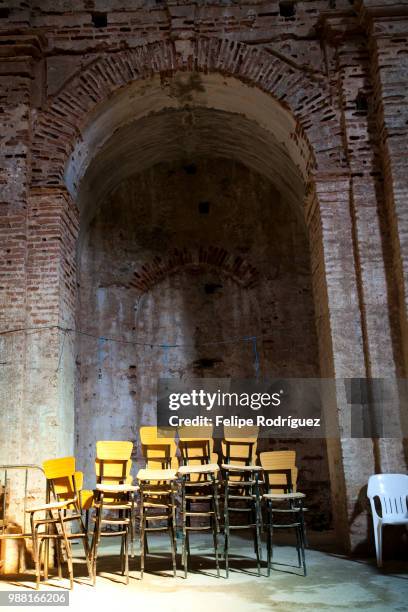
392 491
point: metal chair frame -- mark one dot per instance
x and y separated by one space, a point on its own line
199 485
157 492
158 489
122 502
295 508
244 481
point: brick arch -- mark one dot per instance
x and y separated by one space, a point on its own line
58 127
210 257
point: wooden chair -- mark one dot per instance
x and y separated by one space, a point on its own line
65 485
242 477
158 486
114 494
199 478
282 499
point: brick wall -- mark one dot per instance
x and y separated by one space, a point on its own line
334 75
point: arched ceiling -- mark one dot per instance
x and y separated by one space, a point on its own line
191 115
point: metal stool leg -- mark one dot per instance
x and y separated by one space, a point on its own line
173 530
127 534
226 527
214 522
270 535
184 520
302 538
142 535
258 525
96 537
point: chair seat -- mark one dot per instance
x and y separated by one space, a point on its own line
283 496
209 468
231 467
147 474
116 488
51 506
395 520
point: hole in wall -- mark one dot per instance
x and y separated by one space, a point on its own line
287 9
361 101
206 363
190 169
100 20
211 288
204 208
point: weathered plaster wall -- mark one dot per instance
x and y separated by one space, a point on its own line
246 273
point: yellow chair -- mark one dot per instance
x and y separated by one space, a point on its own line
282 499
64 484
159 451
114 493
242 479
158 486
198 471
239 445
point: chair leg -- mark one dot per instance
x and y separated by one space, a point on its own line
378 543
142 536
258 523
302 534
184 524
87 552
95 540
146 541
67 549
226 529
214 522
122 554
132 528
257 549
127 535
215 541
270 536
298 544
41 555
173 546
34 536
172 520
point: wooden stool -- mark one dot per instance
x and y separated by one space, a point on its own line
245 491
199 485
295 508
157 503
113 498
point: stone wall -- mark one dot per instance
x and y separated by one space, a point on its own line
203 255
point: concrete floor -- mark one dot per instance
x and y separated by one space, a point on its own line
333 582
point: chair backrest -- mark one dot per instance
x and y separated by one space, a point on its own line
159 452
239 445
196 445
64 481
113 462
280 471
391 490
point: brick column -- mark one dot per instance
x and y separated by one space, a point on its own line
15 99
51 290
387 28
341 349
371 242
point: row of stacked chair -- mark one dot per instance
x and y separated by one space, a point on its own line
186 474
